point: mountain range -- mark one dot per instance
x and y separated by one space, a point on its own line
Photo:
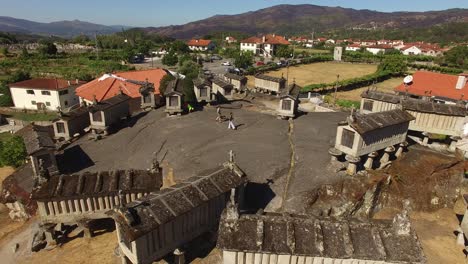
301 19
60 28
280 19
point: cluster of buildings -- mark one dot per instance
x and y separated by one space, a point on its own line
383 46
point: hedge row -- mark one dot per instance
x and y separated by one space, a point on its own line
351 83
436 68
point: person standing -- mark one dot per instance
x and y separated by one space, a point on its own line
231 122
218 112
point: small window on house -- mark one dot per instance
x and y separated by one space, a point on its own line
45 92
33 102
147 99
60 127
97 117
63 92
47 103
347 138
30 91
368 105
174 101
227 91
203 92
286 105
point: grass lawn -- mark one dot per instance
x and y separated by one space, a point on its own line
34 116
385 86
5 136
323 72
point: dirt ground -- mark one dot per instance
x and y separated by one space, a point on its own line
387 86
324 72
435 231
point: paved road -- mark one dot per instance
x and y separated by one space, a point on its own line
193 143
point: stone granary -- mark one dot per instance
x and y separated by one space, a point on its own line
366 134
222 90
202 89
430 117
40 148
71 123
265 83
239 82
109 112
299 239
174 97
81 198
148 97
289 102
161 223
464 222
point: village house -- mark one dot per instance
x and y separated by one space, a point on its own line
264 46
265 238
82 198
443 88
353 47
163 222
239 82
110 85
411 50
174 94
375 49
108 113
230 40
202 90
44 94
200 45
40 148
269 84
71 123
365 43
222 90
367 134
289 101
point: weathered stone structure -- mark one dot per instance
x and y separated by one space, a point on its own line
239 82
109 112
284 239
265 83
222 90
148 97
289 102
71 123
156 225
365 134
174 97
202 90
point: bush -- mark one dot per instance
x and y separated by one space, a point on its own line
12 152
436 69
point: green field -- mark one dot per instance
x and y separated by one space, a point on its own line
33 116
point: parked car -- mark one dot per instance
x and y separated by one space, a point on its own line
260 63
216 57
226 63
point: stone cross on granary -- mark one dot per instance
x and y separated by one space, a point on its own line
155 168
231 156
43 173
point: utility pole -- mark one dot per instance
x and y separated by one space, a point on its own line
336 88
97 47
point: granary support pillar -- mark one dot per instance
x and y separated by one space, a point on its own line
386 156
335 154
370 160
425 141
401 149
179 256
352 164
453 143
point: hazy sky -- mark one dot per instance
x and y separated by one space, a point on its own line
167 12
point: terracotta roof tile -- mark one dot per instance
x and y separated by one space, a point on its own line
269 39
199 42
437 84
110 87
46 84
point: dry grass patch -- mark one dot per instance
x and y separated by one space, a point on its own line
386 86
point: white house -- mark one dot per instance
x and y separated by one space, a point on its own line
375 49
44 94
353 47
411 50
265 45
200 44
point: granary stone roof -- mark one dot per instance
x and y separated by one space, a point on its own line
74 113
201 82
292 92
221 83
270 78
36 138
381 96
79 186
146 214
419 105
275 233
108 103
364 123
235 76
174 86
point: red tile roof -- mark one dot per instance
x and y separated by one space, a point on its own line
269 39
46 84
382 46
109 87
438 84
199 42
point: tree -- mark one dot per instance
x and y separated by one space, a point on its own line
24 52
393 64
284 51
179 47
243 59
170 59
12 152
48 48
5 99
4 51
164 81
457 57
